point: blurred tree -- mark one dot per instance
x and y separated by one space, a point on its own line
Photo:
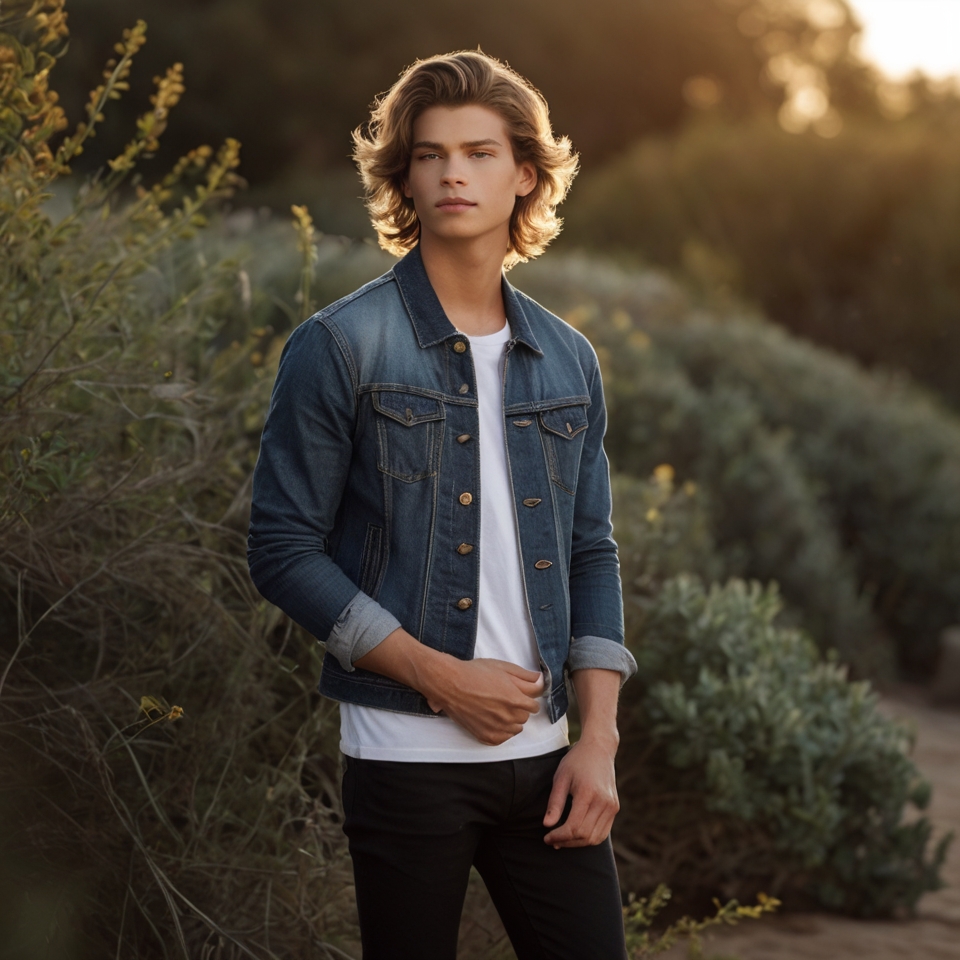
852 242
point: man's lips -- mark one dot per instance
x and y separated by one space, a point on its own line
457 202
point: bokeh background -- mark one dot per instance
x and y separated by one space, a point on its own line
688 117
763 246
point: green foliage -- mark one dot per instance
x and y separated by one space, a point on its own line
765 518
640 913
836 482
753 761
661 532
132 388
884 459
319 65
851 242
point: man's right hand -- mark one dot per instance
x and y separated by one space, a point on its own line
492 699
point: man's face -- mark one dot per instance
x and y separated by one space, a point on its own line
463 154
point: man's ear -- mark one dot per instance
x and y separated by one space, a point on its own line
526 179
405 186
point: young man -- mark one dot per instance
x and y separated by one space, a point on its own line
432 500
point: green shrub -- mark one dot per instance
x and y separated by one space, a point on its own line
661 531
168 771
749 762
884 459
765 518
852 241
837 482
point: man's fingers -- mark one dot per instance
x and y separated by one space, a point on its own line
593 827
571 826
533 688
570 829
530 676
589 824
558 797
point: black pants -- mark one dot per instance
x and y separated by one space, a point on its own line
416 828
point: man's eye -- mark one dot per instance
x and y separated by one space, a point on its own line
481 153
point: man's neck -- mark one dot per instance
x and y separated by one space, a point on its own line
466 279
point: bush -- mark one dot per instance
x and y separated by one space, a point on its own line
851 242
884 459
837 482
765 518
748 762
168 769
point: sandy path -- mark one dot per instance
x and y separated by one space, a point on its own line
934 933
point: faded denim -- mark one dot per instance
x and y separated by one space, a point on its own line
368 481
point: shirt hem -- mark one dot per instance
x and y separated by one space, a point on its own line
453 754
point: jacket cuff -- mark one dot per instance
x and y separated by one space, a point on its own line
599 652
361 625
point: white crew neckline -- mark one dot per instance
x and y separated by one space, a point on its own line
500 336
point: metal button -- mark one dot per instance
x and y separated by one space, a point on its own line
569 428
463 438
522 423
543 564
409 414
464 603
466 499
464 387
531 501
464 549
459 346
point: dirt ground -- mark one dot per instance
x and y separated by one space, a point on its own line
933 935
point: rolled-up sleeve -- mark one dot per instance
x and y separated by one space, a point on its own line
598 652
596 596
298 482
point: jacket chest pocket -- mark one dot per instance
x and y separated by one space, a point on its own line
408 434
563 430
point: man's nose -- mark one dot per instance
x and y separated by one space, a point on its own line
453 173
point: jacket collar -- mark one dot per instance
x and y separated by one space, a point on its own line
426 313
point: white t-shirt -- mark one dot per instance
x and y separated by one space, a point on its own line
504 630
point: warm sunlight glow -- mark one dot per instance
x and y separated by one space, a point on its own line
901 36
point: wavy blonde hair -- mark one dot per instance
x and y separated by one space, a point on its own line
383 147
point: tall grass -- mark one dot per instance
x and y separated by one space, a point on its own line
169 773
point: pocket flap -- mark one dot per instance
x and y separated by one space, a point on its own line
407 408
565 422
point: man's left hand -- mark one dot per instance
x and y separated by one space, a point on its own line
586 773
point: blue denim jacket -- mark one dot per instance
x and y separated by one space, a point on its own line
367 499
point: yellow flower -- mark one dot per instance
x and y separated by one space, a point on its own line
663 474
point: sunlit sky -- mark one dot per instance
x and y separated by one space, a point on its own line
901 36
